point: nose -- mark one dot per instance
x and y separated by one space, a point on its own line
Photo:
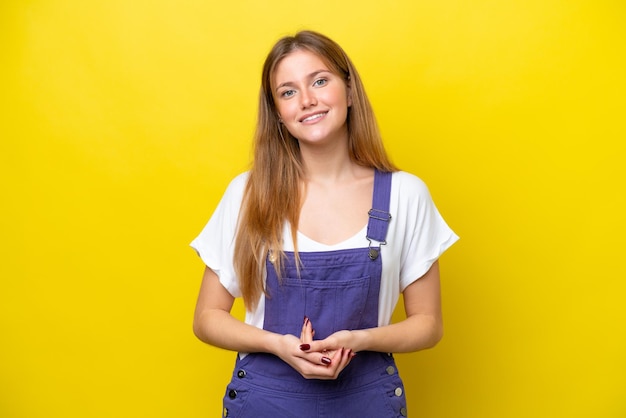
307 98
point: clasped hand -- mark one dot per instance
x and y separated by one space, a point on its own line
320 359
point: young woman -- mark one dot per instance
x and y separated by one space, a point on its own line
319 238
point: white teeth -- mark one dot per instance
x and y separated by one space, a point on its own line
317 116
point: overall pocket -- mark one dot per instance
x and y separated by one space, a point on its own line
331 305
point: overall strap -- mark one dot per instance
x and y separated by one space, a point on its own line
379 214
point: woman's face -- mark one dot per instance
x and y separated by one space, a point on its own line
312 101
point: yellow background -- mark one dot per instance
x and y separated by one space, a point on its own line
121 123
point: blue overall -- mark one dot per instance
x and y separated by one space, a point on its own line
337 290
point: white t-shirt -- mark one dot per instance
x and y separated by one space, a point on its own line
417 236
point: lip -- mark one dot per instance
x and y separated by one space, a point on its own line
304 118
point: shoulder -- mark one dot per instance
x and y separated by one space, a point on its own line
236 187
408 185
233 195
238 182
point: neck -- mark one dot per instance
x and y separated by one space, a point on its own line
333 170
326 162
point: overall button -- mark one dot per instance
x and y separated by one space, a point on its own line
390 370
232 394
403 412
398 391
241 374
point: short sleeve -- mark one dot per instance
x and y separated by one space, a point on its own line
215 243
426 235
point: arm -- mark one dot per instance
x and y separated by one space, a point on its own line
214 325
422 328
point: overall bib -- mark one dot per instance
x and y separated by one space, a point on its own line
337 290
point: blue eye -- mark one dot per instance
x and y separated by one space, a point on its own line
287 93
320 82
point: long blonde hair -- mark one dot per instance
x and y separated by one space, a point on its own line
273 191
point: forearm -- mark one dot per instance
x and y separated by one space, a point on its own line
415 333
220 329
423 326
213 323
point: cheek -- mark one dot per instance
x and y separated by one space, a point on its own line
281 106
342 97
284 110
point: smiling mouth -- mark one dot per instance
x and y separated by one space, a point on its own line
314 117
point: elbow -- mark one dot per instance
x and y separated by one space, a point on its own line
427 333
209 327
199 327
435 335
196 328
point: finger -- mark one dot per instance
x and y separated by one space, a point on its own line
331 361
323 346
346 355
334 357
339 362
306 336
303 329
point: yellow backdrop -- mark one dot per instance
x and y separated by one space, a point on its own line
122 122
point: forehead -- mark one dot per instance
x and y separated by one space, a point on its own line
298 64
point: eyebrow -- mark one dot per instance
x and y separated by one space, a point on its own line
310 76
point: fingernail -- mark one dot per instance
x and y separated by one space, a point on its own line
326 360
352 354
304 347
306 319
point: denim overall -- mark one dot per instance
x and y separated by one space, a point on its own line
337 290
